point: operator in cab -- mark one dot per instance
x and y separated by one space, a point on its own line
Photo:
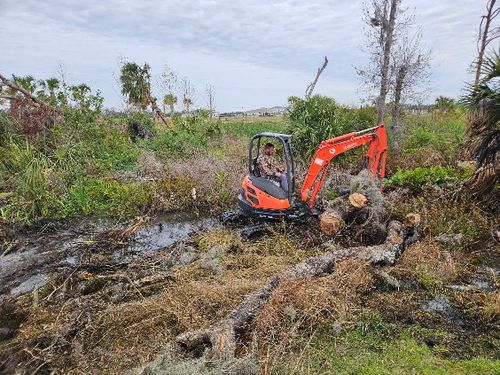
270 168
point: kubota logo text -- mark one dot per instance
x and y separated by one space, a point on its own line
348 146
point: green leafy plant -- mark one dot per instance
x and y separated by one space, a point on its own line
418 177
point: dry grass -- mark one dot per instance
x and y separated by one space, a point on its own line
252 259
218 237
443 212
482 307
216 175
424 157
97 336
400 307
299 307
428 264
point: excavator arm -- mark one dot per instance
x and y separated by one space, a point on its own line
375 137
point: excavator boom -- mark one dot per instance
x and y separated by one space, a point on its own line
375 137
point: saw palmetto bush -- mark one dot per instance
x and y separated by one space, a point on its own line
483 102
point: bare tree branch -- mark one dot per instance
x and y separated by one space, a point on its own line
310 87
484 37
385 21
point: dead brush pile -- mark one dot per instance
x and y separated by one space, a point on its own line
89 332
148 166
300 307
429 265
216 177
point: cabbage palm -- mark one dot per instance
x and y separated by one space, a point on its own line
135 84
171 101
483 102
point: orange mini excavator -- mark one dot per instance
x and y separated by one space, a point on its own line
263 200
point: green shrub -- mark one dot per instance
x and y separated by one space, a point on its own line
417 177
191 132
143 118
198 124
319 118
168 144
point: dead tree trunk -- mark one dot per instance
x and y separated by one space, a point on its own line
396 107
310 87
157 111
387 26
221 338
484 37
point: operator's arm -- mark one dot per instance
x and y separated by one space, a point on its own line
268 167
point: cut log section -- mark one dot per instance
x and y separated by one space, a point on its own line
221 339
333 219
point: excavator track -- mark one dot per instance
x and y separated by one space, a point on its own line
233 218
251 231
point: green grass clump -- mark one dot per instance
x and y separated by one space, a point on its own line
249 127
376 347
96 196
442 133
418 177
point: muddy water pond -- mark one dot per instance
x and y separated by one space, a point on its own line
41 253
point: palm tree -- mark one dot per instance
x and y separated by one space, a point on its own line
52 86
483 102
135 85
171 101
187 103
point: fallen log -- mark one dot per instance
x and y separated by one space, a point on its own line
336 214
222 338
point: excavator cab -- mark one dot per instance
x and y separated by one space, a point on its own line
261 197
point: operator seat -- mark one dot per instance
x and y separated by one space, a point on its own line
269 187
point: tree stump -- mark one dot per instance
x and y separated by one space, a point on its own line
333 219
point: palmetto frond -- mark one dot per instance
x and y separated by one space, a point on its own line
483 101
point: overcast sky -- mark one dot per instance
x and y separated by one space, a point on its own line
255 53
